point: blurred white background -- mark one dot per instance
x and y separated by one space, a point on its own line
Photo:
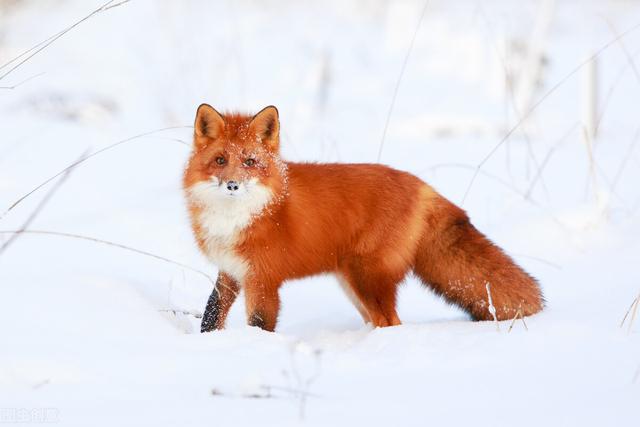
537 99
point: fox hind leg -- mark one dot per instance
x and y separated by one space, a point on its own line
355 300
375 290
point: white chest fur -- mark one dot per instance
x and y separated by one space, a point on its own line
224 217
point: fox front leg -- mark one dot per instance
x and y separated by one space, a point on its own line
262 304
220 301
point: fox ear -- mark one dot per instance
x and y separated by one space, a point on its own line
209 123
266 126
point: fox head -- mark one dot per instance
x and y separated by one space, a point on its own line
235 158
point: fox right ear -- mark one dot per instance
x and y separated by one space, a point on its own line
209 123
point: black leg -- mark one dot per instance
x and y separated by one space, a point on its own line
211 313
219 303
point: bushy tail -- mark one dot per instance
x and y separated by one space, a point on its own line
457 261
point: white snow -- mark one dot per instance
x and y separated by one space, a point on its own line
87 335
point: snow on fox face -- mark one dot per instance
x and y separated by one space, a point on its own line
234 149
235 169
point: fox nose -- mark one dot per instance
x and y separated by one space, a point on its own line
233 185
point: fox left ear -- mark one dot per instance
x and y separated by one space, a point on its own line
209 124
266 126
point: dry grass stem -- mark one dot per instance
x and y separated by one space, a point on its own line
551 151
37 210
537 104
633 308
34 50
82 160
193 313
22 82
397 88
112 244
592 165
518 314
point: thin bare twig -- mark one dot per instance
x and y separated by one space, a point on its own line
32 48
37 210
513 321
397 88
518 314
290 390
548 157
112 244
251 395
115 5
623 164
41 384
624 49
505 183
304 384
633 315
537 104
523 322
633 308
195 314
78 162
21 82
33 51
626 158
542 260
489 175
512 98
181 141
267 392
612 88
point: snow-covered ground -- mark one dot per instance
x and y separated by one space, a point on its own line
85 335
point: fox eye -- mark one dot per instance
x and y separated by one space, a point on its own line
220 160
250 162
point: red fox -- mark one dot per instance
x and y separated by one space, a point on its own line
263 221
